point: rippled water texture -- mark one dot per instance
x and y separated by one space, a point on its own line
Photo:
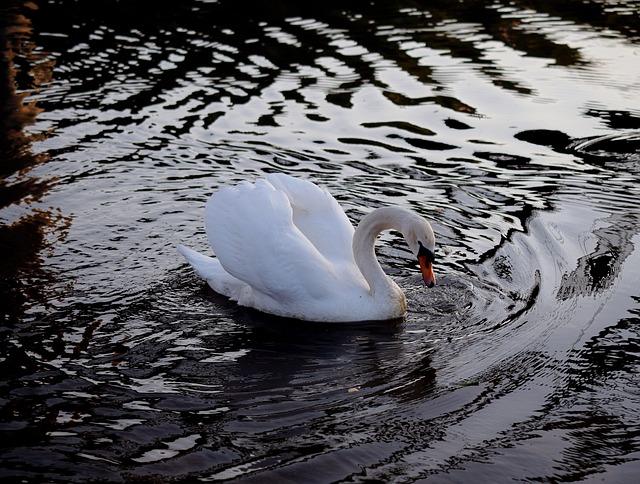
513 126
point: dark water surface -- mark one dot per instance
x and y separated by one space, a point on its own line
513 126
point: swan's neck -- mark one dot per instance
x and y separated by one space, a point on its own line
364 240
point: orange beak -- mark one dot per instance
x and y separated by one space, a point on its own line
427 271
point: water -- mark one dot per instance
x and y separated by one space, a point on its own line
513 127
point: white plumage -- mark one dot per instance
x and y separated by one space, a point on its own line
284 246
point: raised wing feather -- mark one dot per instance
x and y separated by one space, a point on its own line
251 230
318 216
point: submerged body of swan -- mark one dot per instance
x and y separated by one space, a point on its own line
284 246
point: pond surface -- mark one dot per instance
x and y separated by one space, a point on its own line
514 127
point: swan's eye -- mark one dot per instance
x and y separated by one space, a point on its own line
424 252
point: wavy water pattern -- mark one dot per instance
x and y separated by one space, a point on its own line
512 126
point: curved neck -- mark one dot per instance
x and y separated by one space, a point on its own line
364 240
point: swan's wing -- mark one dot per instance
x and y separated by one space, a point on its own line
251 230
318 216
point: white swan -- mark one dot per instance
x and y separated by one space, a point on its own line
284 246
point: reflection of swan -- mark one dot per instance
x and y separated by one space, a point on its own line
285 247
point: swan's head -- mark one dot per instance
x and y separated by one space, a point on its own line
422 242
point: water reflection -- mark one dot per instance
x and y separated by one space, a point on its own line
23 69
598 270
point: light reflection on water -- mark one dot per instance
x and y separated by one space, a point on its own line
512 127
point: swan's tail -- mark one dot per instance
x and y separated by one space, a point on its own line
206 267
212 271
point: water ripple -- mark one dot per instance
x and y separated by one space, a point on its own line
512 128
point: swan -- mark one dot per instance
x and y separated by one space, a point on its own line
285 247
